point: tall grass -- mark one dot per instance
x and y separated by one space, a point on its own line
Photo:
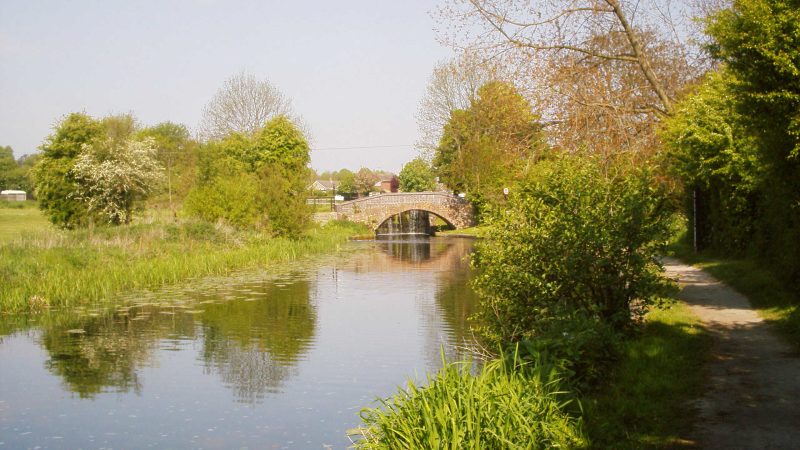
90 267
500 407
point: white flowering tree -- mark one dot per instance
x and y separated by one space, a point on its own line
112 175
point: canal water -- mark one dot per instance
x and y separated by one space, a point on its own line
278 359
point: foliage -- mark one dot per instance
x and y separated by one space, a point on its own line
255 181
486 147
16 174
758 42
177 153
718 162
347 183
416 176
336 175
113 175
577 239
502 406
53 175
233 199
7 166
364 181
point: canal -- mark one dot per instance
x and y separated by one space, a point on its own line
266 359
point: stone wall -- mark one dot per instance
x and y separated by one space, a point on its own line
374 210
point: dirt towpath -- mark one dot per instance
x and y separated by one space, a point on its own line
752 400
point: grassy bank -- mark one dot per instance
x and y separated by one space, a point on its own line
476 231
62 269
775 301
503 405
644 402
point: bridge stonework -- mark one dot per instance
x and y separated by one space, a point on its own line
375 210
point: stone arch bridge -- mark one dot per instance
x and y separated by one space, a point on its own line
376 209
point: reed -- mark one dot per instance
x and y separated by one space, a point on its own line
501 406
62 269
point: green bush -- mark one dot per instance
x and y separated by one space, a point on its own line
576 239
233 200
502 406
579 346
255 181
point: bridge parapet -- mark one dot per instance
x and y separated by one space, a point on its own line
376 209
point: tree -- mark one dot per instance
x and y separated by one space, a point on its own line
711 151
255 180
758 42
453 85
575 246
175 151
417 176
7 167
243 105
112 176
595 68
347 183
488 145
55 180
22 177
364 181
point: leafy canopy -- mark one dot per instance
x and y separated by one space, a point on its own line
417 176
487 146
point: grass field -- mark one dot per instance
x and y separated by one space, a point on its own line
16 222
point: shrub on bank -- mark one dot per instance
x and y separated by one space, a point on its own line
574 249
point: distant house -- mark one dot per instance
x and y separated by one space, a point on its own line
13 196
388 185
324 186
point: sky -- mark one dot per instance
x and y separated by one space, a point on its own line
355 70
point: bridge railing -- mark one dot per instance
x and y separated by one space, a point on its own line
398 199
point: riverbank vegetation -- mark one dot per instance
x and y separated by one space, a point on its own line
89 267
235 201
568 271
505 405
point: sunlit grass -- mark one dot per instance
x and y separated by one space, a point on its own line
20 219
645 401
499 407
476 231
91 267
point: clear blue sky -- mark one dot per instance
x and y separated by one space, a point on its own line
355 70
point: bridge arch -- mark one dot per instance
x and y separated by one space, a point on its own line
375 210
392 212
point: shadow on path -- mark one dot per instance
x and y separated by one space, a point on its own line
753 396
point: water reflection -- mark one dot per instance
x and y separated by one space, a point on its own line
255 359
101 354
254 344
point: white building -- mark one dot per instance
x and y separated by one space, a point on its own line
13 196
